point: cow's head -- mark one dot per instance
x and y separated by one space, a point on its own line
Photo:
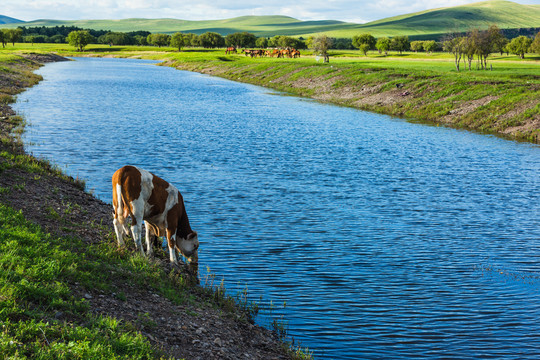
188 247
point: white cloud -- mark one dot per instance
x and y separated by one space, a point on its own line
345 10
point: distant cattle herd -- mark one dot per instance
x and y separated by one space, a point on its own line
279 53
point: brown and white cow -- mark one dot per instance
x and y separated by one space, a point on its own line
143 196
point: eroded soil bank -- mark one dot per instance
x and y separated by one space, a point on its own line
201 328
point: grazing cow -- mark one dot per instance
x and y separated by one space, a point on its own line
143 196
230 49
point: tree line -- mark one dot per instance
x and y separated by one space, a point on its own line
464 46
481 43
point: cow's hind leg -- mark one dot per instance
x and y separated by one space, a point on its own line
149 235
119 230
137 212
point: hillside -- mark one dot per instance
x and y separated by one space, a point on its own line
9 20
259 25
505 14
427 24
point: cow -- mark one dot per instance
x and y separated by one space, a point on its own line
146 197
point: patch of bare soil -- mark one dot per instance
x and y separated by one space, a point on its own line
467 107
44 58
60 206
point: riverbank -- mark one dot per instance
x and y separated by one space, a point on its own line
505 101
69 291
420 87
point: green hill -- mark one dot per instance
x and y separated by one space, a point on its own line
259 25
8 20
505 14
427 24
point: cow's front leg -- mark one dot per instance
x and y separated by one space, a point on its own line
149 233
171 243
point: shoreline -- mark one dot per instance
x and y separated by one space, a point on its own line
468 104
207 324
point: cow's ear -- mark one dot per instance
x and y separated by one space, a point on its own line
192 235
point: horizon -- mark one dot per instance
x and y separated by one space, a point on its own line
362 11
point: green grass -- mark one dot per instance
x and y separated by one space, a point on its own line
429 23
36 273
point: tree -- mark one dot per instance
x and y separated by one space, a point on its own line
79 39
3 37
417 46
211 40
12 35
535 45
367 39
240 40
383 45
283 41
455 46
430 46
364 48
320 45
261 42
177 41
400 43
116 38
57 39
141 39
191 39
469 50
519 46
158 40
342 43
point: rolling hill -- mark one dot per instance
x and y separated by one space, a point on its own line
9 20
426 24
259 25
505 14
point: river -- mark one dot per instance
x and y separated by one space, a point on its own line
386 239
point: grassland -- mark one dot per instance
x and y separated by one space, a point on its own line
425 24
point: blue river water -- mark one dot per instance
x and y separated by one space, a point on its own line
385 239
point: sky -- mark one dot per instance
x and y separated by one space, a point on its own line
358 11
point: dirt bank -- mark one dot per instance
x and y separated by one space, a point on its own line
200 329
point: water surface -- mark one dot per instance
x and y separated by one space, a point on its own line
385 239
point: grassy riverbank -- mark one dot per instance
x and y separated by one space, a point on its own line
419 87
69 292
